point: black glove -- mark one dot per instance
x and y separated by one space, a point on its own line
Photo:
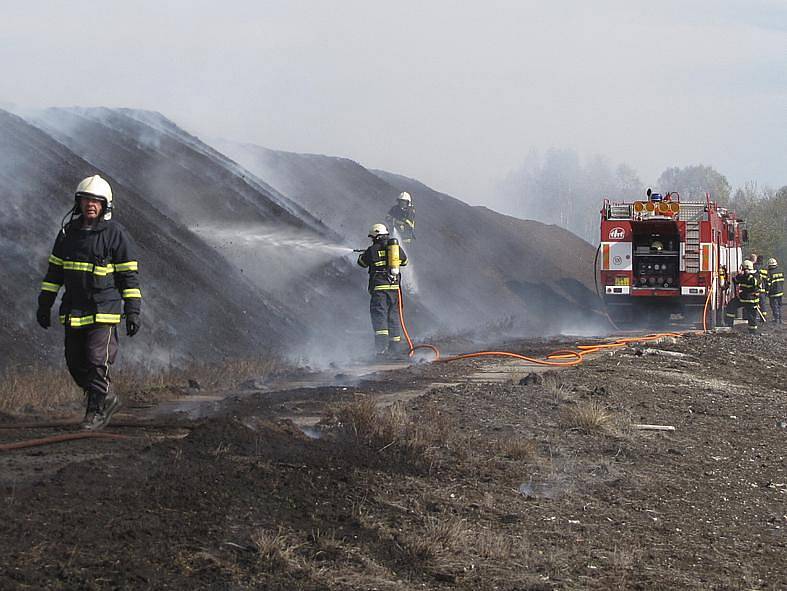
43 317
132 324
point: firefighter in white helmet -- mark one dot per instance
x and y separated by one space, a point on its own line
383 259
93 259
748 297
775 289
401 217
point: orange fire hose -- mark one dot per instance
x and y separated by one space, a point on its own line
59 439
569 357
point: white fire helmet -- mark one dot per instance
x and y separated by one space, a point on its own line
96 187
773 263
405 196
748 265
378 230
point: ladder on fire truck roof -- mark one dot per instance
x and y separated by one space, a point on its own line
692 247
692 211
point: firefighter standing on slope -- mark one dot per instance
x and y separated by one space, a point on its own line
775 289
93 258
383 259
748 296
401 217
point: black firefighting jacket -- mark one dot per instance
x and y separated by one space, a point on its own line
403 219
99 271
763 280
775 282
748 287
375 258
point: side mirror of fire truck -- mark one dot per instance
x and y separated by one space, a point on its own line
745 235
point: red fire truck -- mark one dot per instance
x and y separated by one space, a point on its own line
665 259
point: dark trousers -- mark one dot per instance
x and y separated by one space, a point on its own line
763 309
776 308
89 353
384 310
751 313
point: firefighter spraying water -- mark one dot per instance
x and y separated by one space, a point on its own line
384 259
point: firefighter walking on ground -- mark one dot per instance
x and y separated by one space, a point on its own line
748 296
93 260
401 217
775 289
383 260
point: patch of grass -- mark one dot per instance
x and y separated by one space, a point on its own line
276 551
556 387
362 423
327 547
492 545
589 416
37 389
518 448
451 533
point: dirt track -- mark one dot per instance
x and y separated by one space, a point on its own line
477 483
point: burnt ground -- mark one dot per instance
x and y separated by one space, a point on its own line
471 481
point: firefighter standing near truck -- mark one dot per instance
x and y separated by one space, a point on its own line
383 259
775 289
93 259
401 217
748 296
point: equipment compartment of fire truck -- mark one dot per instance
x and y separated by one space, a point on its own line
664 259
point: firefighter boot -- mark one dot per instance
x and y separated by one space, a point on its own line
91 412
107 406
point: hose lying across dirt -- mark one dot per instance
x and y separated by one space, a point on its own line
561 358
60 438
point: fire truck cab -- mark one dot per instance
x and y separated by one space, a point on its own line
663 257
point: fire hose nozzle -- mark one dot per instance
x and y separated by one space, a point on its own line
359 250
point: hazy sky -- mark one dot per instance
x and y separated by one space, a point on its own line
453 93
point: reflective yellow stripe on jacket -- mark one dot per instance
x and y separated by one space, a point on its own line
80 321
47 286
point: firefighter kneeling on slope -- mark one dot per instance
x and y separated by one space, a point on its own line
748 297
383 259
94 260
775 289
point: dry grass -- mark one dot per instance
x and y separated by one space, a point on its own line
492 545
451 533
276 551
37 389
518 448
45 389
556 387
589 416
362 423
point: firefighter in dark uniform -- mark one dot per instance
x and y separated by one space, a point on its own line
401 217
383 259
93 259
748 296
775 289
